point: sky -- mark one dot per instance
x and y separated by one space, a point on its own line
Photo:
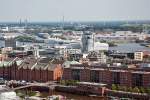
74 10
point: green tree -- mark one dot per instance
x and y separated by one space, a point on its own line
114 87
148 90
142 90
136 89
129 89
122 88
62 82
119 88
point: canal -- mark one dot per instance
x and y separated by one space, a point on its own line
68 96
72 96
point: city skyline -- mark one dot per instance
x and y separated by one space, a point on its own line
73 10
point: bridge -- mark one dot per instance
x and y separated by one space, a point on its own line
49 85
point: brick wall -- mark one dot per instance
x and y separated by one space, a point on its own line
13 73
105 76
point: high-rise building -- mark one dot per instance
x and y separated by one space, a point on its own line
88 39
10 42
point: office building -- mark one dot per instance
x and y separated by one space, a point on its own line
88 39
10 42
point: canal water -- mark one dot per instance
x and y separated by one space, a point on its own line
72 96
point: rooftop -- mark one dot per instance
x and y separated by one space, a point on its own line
40 63
8 63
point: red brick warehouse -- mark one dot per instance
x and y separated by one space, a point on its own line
33 70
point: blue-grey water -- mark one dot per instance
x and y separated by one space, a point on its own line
129 47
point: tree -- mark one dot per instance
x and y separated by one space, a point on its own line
62 82
119 88
136 89
148 90
129 89
142 90
114 87
122 88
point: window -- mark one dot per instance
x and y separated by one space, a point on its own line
116 77
94 76
137 79
76 74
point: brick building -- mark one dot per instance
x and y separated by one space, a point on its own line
108 75
31 69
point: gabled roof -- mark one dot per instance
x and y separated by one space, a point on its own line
9 63
39 64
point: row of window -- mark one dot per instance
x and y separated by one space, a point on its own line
137 79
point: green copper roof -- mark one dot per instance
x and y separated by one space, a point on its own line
8 63
68 63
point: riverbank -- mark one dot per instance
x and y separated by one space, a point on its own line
96 91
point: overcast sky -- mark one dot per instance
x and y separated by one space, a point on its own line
74 10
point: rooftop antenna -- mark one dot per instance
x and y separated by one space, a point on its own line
144 28
63 22
26 22
127 22
20 22
136 22
104 23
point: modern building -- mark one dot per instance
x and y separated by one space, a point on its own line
138 56
10 42
88 39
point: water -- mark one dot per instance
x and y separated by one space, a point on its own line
67 95
129 47
71 96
